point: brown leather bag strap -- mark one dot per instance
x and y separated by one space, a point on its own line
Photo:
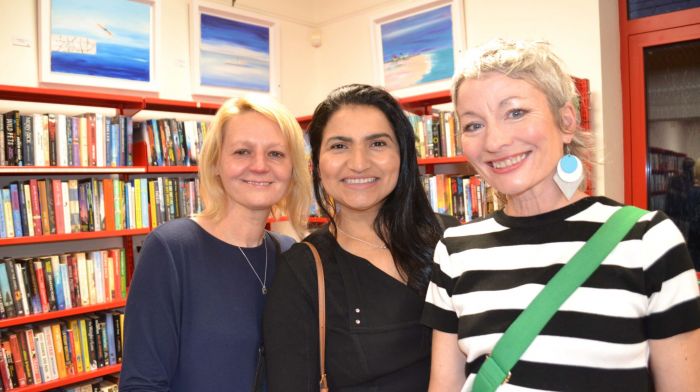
323 383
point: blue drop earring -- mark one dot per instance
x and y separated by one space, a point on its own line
569 173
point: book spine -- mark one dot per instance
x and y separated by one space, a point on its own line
28 210
26 356
22 288
10 149
57 193
58 282
14 286
33 354
16 210
28 142
7 210
50 286
17 360
41 284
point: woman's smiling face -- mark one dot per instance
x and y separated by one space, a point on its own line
510 135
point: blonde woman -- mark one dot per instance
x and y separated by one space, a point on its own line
193 317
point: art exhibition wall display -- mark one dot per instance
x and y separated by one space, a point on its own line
233 52
90 43
416 46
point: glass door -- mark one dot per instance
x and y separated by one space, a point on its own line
665 127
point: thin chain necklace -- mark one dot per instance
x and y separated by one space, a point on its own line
382 246
262 281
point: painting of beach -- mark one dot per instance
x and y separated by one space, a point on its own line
234 54
418 49
106 38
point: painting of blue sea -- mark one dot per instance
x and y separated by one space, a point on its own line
234 54
418 49
105 38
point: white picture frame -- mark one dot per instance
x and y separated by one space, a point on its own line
90 44
412 54
244 60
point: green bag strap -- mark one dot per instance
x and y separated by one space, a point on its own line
510 347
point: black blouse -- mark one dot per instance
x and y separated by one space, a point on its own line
374 340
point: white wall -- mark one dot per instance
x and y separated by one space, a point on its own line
584 33
19 64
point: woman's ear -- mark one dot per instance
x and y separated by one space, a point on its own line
568 121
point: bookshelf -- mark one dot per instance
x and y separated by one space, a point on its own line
31 247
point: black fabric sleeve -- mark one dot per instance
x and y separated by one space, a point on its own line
290 324
151 327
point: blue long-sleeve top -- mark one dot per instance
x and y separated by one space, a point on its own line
194 312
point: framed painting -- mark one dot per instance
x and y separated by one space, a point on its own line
233 52
88 43
416 48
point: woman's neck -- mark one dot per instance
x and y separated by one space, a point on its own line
243 229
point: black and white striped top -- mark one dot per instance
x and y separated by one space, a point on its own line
487 271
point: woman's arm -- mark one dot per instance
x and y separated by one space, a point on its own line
675 362
151 332
447 366
290 328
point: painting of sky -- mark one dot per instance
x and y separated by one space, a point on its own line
418 49
105 38
234 54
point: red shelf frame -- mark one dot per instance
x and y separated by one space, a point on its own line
34 318
70 97
172 169
27 170
40 239
103 371
169 105
441 160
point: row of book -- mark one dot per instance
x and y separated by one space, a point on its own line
436 134
35 285
665 160
170 142
109 383
91 139
96 140
37 354
464 197
56 206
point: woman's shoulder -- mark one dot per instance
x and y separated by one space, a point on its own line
181 229
300 256
284 241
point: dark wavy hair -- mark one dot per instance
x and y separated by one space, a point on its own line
405 222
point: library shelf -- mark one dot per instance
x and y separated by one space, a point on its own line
72 236
59 314
29 170
103 371
172 169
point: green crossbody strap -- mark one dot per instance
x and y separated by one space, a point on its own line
519 335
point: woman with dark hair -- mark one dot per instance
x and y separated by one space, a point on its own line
376 253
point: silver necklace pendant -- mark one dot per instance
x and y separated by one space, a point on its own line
263 281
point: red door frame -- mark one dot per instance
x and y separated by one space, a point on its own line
635 36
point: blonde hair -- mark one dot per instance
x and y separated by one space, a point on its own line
295 203
535 63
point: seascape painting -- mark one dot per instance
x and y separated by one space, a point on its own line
105 38
418 49
234 54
